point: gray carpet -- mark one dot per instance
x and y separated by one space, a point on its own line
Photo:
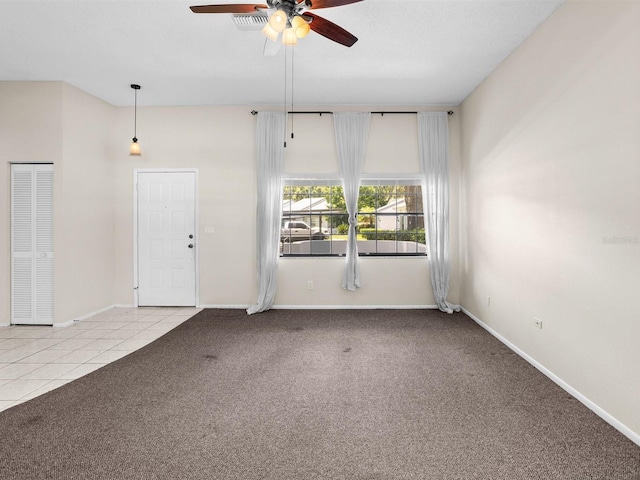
374 394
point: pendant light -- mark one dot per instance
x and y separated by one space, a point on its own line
134 148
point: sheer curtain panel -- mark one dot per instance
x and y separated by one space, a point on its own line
352 133
270 133
433 147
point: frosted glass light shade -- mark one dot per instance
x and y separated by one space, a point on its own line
270 33
289 37
300 26
134 148
278 21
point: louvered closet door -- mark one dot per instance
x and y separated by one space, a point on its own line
32 244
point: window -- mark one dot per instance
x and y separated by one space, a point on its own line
315 219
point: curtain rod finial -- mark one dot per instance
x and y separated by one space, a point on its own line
254 112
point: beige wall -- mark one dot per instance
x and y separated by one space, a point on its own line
551 204
84 208
30 132
219 142
55 123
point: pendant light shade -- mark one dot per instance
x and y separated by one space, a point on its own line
134 148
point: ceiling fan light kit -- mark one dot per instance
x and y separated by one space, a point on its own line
291 18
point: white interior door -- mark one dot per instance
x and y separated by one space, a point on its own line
32 244
166 238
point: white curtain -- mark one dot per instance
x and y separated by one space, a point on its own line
433 145
352 133
270 133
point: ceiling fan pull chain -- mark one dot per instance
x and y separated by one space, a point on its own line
293 52
286 115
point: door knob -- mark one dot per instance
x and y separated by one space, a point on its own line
191 245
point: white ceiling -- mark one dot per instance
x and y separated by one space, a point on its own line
409 52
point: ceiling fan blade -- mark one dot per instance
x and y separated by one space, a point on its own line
330 3
228 8
330 30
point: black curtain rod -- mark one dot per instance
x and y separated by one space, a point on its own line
450 112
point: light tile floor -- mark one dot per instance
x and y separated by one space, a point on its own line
35 360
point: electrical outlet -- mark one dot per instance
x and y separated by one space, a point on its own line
310 285
538 323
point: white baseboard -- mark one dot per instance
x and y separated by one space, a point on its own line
354 307
329 307
83 317
607 417
77 319
219 307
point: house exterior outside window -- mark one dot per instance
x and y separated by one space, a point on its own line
390 218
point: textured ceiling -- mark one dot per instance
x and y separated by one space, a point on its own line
409 52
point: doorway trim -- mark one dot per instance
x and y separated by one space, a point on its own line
137 171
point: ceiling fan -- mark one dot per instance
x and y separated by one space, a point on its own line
291 17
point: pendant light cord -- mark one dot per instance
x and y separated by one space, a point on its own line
135 114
